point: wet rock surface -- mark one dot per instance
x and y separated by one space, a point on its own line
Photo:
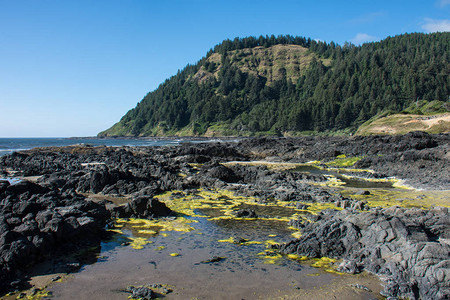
36 222
417 157
407 247
142 292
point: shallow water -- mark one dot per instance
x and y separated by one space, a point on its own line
354 182
349 181
246 270
176 253
10 145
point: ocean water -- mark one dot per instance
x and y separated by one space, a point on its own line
10 145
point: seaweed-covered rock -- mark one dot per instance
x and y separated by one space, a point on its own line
142 292
407 247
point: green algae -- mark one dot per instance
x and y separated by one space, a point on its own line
407 198
222 204
327 264
343 161
297 257
270 257
269 243
316 207
138 243
335 171
147 231
297 234
340 163
230 240
218 204
43 293
195 166
323 262
143 229
155 226
33 293
188 204
244 242
273 166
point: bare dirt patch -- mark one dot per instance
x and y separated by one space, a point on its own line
401 124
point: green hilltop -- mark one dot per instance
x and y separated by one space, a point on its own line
292 86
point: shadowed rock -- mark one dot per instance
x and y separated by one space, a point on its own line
142 207
245 213
36 222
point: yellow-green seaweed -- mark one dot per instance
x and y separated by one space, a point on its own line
153 227
296 234
343 161
232 240
139 242
408 198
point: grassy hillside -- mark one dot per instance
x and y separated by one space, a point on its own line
272 63
431 117
292 85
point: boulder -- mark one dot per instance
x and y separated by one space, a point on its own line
245 213
143 293
142 207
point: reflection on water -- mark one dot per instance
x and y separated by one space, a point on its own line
184 254
354 182
11 180
349 181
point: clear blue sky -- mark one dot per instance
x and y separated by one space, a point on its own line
74 68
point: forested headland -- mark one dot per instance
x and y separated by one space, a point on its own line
293 85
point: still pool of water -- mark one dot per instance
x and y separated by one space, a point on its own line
349 181
245 270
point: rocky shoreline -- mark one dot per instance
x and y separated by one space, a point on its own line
407 247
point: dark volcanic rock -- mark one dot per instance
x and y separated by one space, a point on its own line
25 187
407 247
142 292
245 213
4 184
221 172
142 207
212 260
35 222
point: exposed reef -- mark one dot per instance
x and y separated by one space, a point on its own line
36 222
408 248
312 182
